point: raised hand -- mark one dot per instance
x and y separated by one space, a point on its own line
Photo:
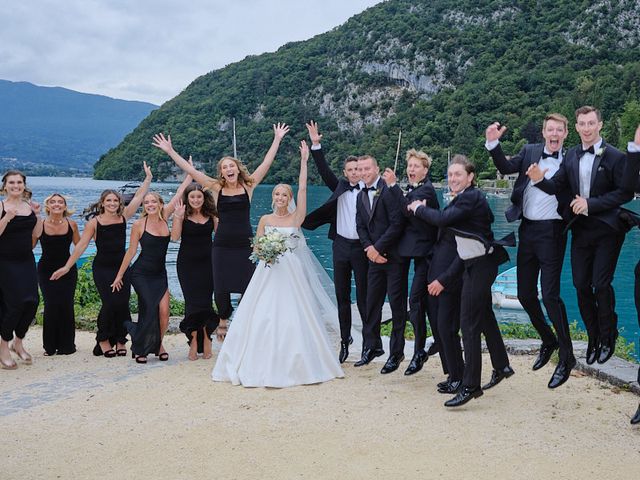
35 207
147 171
389 177
162 142
304 151
494 131
179 210
534 172
636 139
314 136
279 130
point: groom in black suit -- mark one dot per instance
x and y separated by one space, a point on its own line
379 223
593 173
340 212
542 238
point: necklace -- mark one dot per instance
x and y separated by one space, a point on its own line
55 222
281 216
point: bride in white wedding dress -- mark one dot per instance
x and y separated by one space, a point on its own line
279 333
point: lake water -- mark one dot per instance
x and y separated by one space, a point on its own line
83 191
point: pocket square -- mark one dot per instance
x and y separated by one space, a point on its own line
600 169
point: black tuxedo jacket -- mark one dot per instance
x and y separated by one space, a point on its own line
632 179
609 189
328 211
418 237
446 266
469 215
384 225
530 153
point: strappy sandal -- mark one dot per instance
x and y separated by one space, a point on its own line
110 353
163 357
121 352
141 359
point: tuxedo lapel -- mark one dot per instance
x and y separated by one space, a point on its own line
596 165
573 164
536 155
379 187
364 199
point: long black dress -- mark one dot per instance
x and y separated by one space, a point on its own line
18 277
196 279
149 279
59 326
114 312
232 269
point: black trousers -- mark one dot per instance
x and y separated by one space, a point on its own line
419 306
477 317
349 257
446 308
595 248
383 279
541 252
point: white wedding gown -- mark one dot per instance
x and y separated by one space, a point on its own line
278 336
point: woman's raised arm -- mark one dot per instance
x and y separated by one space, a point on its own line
279 131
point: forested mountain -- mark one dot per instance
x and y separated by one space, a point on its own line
54 130
439 70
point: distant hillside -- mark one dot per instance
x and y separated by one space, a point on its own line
53 130
440 70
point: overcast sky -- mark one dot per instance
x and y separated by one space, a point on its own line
150 50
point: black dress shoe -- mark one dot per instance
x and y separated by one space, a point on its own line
498 375
450 387
544 356
368 355
444 384
393 362
418 360
607 349
636 418
593 350
561 373
344 350
464 395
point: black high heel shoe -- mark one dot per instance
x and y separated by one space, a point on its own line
636 418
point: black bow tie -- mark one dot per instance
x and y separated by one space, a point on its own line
547 155
413 186
590 150
354 187
369 189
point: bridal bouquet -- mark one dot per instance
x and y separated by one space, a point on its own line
269 248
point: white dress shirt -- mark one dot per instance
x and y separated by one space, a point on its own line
346 210
536 204
586 166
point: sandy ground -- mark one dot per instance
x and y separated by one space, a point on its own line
83 417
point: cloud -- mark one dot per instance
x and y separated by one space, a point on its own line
150 50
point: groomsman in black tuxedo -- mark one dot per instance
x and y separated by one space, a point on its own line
633 179
416 242
542 238
348 257
593 173
379 223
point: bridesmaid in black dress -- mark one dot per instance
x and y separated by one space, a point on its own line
149 278
58 232
232 191
18 278
108 228
193 221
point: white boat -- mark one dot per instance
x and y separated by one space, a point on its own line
504 291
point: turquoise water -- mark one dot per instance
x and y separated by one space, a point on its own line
82 191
